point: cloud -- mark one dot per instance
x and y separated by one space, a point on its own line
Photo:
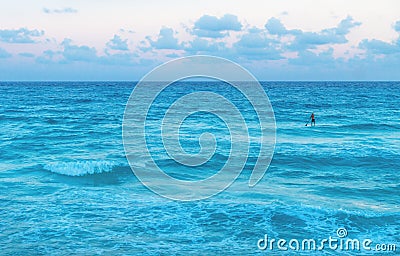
214 27
71 53
336 35
397 26
274 51
275 27
379 47
209 33
345 26
49 57
165 40
384 67
256 45
227 22
309 58
203 46
253 39
19 36
116 43
172 55
59 11
4 54
390 51
304 40
119 59
78 53
122 30
310 39
26 54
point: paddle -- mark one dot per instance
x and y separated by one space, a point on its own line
308 121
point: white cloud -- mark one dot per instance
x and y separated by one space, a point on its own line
20 36
116 43
59 11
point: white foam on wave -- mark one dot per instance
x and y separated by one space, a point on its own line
80 168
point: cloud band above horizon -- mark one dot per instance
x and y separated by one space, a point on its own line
272 51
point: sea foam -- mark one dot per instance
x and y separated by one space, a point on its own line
80 168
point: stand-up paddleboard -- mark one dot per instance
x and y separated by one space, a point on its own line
311 119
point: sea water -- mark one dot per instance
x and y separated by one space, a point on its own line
67 188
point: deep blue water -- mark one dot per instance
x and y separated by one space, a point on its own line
66 186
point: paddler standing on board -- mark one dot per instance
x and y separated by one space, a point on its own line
312 117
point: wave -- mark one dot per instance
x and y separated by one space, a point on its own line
81 168
370 126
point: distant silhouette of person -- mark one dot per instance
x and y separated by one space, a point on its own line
312 117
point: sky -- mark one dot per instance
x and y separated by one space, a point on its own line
118 40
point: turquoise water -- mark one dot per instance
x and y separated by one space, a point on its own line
66 186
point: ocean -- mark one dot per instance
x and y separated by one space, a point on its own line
66 187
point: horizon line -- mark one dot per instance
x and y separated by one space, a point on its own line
50 81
